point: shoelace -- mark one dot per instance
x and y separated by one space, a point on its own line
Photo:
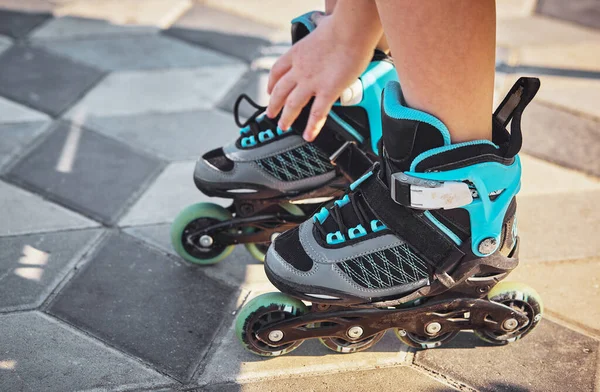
356 202
250 129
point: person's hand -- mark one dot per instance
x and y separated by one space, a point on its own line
320 65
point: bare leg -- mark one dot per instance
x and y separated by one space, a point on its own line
444 54
381 45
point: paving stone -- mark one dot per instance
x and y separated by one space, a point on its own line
550 359
548 130
570 289
172 191
575 55
537 172
17 24
5 43
162 91
576 95
238 269
137 52
514 8
254 84
560 226
230 362
42 80
226 32
172 136
31 266
126 12
86 171
14 137
64 359
584 12
39 6
387 379
12 112
539 30
68 28
24 213
142 302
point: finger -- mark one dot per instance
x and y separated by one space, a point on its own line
281 91
294 103
318 115
280 68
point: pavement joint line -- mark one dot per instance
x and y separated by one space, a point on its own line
552 105
548 71
571 324
438 376
32 145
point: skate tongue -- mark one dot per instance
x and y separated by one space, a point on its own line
407 132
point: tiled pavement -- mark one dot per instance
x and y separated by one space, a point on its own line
103 109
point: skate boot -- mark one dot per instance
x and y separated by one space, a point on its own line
419 244
275 178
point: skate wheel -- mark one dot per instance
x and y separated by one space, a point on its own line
264 310
424 342
520 297
347 347
194 218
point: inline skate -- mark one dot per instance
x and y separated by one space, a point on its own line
419 244
275 178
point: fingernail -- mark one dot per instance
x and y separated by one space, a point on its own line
307 136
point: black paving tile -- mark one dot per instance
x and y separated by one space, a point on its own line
550 359
18 24
222 31
32 265
146 304
562 137
43 80
86 171
584 12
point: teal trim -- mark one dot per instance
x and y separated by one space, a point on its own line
306 20
434 151
346 126
486 216
356 183
282 131
377 225
248 141
343 201
265 135
356 232
321 215
443 228
393 107
245 130
335 238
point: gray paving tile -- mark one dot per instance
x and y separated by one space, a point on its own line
162 91
387 379
12 112
172 191
17 24
172 136
584 12
41 354
5 43
25 213
551 358
70 27
85 171
14 137
253 84
562 137
137 52
146 304
31 266
224 31
42 80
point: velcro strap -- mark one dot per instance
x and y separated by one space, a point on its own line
407 224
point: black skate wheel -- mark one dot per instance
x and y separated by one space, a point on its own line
520 297
195 218
346 346
424 342
260 312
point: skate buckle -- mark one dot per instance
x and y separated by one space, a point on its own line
429 194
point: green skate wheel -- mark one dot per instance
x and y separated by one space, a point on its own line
520 297
346 346
260 312
259 250
195 218
424 342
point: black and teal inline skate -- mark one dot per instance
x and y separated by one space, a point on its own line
275 178
419 244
